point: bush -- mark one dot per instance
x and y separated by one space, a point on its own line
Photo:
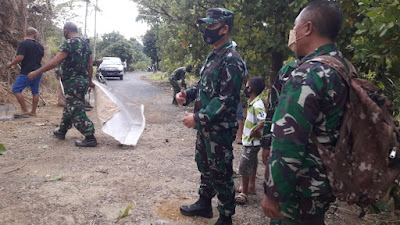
140 66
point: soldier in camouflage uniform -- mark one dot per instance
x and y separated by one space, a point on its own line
216 98
179 74
273 100
312 101
76 57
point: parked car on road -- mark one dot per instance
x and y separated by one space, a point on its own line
112 67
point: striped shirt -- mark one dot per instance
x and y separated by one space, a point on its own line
255 116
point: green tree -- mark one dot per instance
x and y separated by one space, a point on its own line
109 39
261 35
369 38
151 46
136 44
122 49
376 44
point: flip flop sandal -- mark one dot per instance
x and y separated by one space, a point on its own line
21 115
239 190
241 199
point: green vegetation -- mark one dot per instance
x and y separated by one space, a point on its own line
3 149
115 45
123 214
369 38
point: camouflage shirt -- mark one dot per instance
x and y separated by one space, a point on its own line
178 74
273 100
312 100
76 63
217 93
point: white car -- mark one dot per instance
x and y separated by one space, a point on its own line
112 67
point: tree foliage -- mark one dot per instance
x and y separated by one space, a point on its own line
260 34
116 45
122 49
109 39
370 34
376 44
150 44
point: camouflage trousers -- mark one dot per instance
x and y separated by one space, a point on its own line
74 110
305 211
214 155
176 88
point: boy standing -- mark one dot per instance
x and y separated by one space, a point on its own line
251 137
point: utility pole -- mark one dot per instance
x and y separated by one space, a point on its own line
87 5
95 34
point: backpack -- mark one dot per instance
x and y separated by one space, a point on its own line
364 163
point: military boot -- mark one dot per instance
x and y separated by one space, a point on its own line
89 141
224 220
59 134
200 208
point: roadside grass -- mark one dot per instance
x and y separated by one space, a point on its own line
160 76
190 79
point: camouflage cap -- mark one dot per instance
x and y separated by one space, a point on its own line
216 15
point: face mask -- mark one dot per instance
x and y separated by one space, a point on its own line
212 36
293 39
246 92
66 34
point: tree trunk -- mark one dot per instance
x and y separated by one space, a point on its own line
276 65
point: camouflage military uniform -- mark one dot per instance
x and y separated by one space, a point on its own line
75 81
178 74
216 98
311 100
273 100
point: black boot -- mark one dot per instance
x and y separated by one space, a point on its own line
59 134
89 141
224 220
200 208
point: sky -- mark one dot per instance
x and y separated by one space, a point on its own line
115 15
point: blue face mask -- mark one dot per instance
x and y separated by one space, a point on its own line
212 36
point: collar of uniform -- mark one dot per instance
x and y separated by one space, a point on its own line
322 50
223 47
254 100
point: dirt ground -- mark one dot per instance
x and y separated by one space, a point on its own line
48 181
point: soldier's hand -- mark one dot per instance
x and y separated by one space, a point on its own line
91 84
271 208
8 65
265 156
181 97
188 120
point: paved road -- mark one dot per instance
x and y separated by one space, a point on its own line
133 87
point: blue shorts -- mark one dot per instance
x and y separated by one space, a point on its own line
239 112
23 81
